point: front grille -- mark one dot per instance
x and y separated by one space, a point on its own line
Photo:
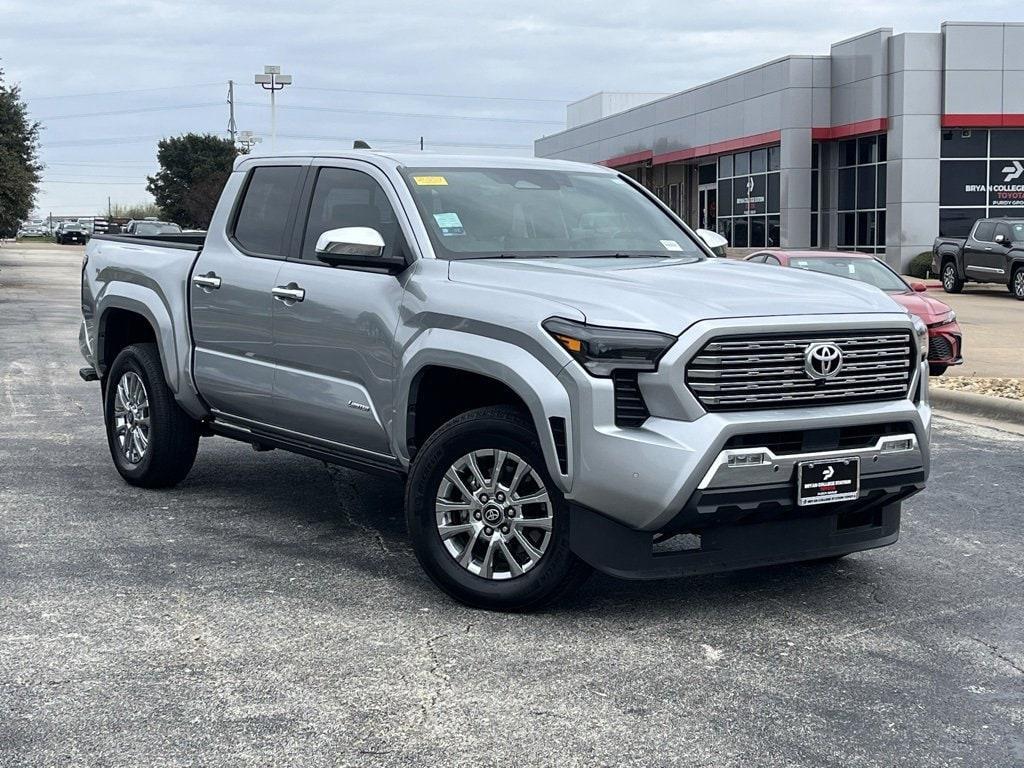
630 408
738 373
939 348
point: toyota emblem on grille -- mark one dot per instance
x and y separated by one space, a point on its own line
823 360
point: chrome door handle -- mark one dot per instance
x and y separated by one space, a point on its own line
290 292
208 282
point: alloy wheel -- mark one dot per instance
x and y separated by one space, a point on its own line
949 278
1018 284
131 417
494 514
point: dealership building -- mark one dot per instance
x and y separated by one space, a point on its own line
880 146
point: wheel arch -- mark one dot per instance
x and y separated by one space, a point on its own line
496 367
126 319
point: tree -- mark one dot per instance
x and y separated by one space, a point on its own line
19 159
193 170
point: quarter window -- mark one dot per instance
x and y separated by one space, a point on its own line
266 208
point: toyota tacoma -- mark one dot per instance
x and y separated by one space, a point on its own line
556 365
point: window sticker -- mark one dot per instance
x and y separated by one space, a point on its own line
671 245
430 181
449 224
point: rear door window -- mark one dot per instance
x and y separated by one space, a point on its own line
266 209
985 231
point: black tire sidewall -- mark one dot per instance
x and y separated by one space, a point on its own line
127 362
484 429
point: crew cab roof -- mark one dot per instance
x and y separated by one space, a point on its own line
427 160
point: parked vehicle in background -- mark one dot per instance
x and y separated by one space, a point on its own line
150 227
945 339
993 252
71 232
558 396
31 230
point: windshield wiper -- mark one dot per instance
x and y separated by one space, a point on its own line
668 255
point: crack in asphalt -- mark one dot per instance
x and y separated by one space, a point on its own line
349 496
994 651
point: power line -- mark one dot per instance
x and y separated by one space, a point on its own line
435 115
135 111
406 142
118 93
94 183
436 95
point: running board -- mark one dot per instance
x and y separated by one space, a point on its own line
266 440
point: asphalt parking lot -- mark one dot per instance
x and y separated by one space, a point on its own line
269 611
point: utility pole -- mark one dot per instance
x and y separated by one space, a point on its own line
231 110
421 143
272 80
108 207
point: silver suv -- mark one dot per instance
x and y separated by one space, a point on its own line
551 359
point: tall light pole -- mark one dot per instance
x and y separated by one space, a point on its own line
272 80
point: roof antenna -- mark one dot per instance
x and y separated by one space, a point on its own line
360 144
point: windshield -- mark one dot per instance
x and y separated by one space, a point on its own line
157 228
870 271
529 213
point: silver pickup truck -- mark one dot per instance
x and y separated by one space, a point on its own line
561 371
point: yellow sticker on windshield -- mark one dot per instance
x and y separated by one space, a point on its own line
430 181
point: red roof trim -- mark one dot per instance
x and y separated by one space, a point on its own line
730 145
983 121
875 125
632 157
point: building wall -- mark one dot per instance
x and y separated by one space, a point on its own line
914 88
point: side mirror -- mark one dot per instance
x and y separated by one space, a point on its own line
919 287
1001 239
356 247
714 241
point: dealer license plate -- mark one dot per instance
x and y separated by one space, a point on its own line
827 481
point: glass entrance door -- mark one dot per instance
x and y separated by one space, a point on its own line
707 207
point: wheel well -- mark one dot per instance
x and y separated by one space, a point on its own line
118 329
439 394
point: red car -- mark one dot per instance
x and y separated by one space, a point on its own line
945 340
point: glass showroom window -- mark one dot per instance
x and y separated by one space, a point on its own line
981 175
748 198
815 192
861 200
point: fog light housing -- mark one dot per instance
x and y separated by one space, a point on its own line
898 445
748 459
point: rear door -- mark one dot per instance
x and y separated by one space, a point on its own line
978 251
334 346
230 291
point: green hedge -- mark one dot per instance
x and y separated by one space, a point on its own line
920 265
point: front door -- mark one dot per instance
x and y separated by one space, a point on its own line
707 199
978 251
334 334
230 293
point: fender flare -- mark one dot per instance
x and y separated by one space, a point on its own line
146 303
536 384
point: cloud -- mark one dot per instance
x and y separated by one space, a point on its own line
548 52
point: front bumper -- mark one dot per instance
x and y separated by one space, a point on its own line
644 477
945 344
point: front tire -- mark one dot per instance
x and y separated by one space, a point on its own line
937 369
1017 283
486 521
951 282
152 441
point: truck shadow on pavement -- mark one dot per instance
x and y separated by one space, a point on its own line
287 506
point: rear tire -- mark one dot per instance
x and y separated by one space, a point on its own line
494 554
152 441
951 281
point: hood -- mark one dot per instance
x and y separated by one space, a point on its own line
925 307
671 295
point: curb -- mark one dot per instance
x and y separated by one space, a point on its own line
971 404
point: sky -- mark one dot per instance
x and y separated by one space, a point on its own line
109 78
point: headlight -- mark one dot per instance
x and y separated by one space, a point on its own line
603 350
946 319
922 335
